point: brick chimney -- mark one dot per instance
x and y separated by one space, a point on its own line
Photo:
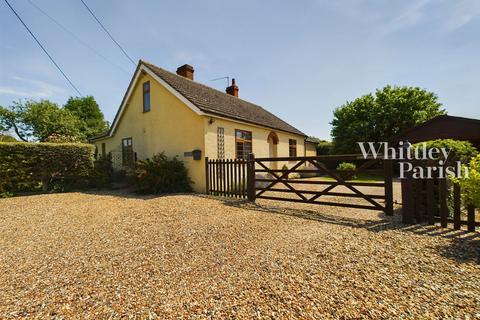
186 71
233 89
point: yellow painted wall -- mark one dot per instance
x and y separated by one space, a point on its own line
310 149
260 145
170 126
173 127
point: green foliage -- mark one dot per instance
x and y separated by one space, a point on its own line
79 120
87 110
381 116
102 175
46 119
57 138
7 138
11 119
325 148
39 120
31 166
344 170
460 150
161 175
470 186
6 194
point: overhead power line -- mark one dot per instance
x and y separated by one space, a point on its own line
43 48
86 45
108 33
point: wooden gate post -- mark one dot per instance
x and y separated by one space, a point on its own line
442 183
251 178
207 177
388 173
407 199
470 218
456 207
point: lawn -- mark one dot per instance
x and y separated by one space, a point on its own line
115 255
362 177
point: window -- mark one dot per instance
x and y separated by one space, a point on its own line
292 147
243 144
104 151
146 96
127 152
220 143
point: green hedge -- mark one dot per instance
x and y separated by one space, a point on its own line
459 150
32 166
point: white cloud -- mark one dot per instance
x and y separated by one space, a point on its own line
410 16
449 15
29 88
463 13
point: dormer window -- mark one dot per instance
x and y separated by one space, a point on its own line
146 96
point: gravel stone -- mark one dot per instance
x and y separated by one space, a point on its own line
114 255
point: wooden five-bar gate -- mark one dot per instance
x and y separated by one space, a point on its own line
259 178
423 200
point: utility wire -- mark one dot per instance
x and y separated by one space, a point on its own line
86 45
43 48
105 29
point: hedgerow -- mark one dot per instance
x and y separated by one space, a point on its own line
42 166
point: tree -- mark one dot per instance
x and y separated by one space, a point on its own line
39 120
10 119
87 110
381 116
325 147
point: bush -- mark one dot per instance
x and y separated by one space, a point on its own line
102 174
325 148
161 175
344 170
460 150
32 166
470 187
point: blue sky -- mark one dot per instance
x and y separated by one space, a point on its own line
299 59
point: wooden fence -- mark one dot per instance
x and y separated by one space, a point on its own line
226 177
435 201
254 179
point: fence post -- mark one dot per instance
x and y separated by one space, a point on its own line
388 173
456 207
207 177
407 199
430 201
443 202
251 178
470 218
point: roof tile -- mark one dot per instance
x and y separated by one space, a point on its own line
215 102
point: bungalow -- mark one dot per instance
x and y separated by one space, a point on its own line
166 112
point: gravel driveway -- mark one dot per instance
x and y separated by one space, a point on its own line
81 255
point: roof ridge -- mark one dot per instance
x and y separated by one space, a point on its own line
204 85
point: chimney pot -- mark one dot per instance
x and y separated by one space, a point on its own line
233 89
186 71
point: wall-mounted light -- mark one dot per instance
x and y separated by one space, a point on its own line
211 121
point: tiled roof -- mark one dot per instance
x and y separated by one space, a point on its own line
212 101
